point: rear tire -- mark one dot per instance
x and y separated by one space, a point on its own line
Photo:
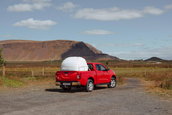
112 83
90 85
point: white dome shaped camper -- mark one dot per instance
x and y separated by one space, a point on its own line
74 64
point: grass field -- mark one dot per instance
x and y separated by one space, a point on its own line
21 76
161 77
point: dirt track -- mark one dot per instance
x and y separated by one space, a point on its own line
130 99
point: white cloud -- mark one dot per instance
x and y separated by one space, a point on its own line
107 14
29 5
35 24
98 32
114 14
168 6
152 10
68 6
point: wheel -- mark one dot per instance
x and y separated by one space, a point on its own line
90 85
112 83
66 87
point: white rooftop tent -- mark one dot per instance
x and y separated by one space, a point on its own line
74 64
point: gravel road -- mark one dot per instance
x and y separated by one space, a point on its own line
130 99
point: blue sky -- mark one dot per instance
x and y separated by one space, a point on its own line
128 29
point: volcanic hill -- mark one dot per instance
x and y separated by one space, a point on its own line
26 50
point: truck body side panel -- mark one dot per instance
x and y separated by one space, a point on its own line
98 76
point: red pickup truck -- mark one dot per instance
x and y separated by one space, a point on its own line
76 72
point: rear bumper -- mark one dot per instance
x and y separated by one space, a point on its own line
71 83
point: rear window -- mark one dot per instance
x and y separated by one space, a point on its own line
90 66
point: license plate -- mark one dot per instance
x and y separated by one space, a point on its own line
66 84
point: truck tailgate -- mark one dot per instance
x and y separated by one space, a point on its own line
67 75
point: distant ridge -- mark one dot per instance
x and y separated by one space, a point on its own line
155 59
27 50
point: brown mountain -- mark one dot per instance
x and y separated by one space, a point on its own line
25 50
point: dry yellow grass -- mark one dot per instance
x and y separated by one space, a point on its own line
157 80
151 87
161 77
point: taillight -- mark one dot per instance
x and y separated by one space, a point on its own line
57 76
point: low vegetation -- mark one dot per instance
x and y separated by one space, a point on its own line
17 82
19 77
159 79
10 82
160 75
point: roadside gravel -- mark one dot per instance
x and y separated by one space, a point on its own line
130 99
